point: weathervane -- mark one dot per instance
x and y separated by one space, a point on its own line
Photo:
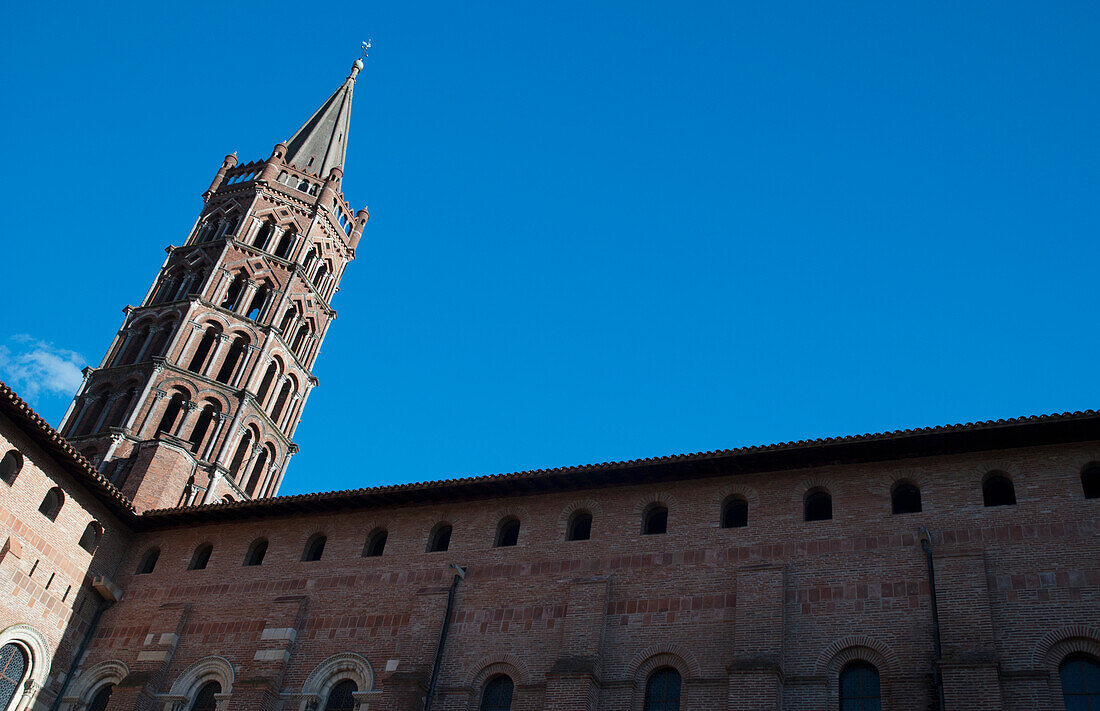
366 46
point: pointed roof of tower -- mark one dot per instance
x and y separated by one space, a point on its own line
321 143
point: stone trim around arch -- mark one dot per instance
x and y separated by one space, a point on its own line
37 649
859 648
507 664
333 670
85 685
211 668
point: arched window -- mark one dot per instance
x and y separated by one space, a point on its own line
13 667
735 513
265 384
997 490
818 505
905 498
859 688
148 562
206 345
95 409
137 340
202 426
497 695
241 456
171 413
288 321
662 690
117 416
204 700
201 557
232 359
231 224
579 527
89 541
1090 480
1080 676
315 547
10 466
507 533
311 254
99 701
51 504
440 538
342 696
655 520
256 552
376 543
258 470
319 277
284 395
300 338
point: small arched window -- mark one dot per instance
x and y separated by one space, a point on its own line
342 696
997 490
818 505
263 234
859 688
1090 480
1080 675
51 503
265 384
99 701
10 466
440 538
315 547
376 543
662 690
497 695
256 552
205 700
201 557
148 562
232 359
579 527
655 520
203 351
89 541
507 533
13 667
735 513
905 498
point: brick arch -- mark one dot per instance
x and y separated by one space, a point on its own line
589 505
1055 646
814 481
856 647
212 668
673 655
335 669
491 666
657 497
214 318
746 492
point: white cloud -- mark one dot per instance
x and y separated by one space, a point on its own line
32 367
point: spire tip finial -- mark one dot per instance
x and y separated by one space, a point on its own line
357 65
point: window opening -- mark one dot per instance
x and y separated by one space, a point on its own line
497 695
440 539
201 557
735 514
580 527
256 552
376 544
655 520
818 505
662 690
507 533
51 503
859 688
148 562
997 490
905 498
315 548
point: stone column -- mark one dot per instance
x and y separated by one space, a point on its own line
111 400
242 368
286 416
244 299
217 355
153 332
158 395
195 329
220 419
128 423
189 414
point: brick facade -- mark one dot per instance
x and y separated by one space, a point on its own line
763 614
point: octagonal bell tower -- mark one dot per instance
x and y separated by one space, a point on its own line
199 394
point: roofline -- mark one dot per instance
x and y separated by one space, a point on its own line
1013 433
59 448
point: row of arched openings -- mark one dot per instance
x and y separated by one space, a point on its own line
11 464
236 297
278 406
296 331
178 282
300 184
144 340
206 351
217 227
103 407
265 235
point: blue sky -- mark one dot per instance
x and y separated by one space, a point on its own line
599 230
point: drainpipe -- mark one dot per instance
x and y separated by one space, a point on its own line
460 574
926 546
79 655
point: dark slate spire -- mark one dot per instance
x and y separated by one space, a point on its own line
319 145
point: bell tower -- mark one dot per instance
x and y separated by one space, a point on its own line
199 394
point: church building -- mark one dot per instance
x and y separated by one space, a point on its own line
149 564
